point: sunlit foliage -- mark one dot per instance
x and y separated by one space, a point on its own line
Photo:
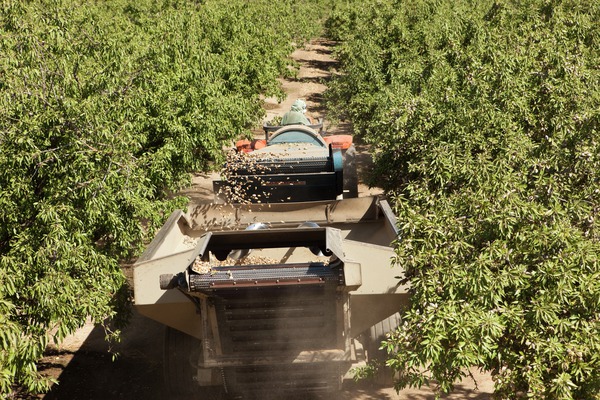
106 107
484 117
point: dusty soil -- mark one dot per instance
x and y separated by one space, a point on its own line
83 364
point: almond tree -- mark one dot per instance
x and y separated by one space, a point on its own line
105 110
484 117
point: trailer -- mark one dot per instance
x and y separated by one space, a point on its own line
274 298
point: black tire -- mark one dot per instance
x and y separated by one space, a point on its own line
181 354
373 338
350 173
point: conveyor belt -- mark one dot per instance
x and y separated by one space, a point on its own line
284 166
263 275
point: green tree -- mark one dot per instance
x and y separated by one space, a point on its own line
105 110
484 117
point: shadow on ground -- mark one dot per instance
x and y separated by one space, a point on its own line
91 373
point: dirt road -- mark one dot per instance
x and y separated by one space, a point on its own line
83 364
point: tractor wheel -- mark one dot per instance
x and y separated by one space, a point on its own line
350 174
372 341
181 353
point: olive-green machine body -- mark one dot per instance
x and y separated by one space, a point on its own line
274 296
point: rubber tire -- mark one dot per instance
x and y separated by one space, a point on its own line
373 338
350 173
181 351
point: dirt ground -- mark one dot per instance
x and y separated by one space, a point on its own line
84 366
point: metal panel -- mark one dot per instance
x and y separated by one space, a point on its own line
260 276
167 240
227 216
278 321
279 381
